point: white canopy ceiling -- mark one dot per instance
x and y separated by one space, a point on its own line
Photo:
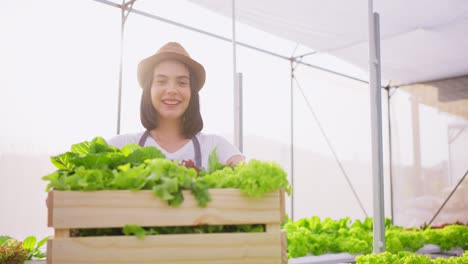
421 40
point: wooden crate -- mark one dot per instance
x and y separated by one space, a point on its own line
101 209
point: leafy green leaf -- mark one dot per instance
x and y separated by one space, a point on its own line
81 148
57 181
136 230
29 243
42 242
3 239
129 148
138 156
62 162
99 145
213 163
166 189
92 161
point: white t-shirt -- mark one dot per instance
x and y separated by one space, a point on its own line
224 149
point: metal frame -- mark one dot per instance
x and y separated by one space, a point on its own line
126 9
375 83
376 124
292 136
237 77
390 148
145 14
330 146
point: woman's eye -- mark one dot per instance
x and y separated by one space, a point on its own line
183 84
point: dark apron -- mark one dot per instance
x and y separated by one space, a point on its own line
196 147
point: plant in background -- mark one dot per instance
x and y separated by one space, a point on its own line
33 248
448 237
13 251
408 257
316 236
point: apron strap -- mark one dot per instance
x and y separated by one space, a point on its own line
196 147
143 138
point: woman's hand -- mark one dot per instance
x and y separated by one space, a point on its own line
235 160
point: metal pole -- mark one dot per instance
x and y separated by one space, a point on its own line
292 139
238 127
376 124
390 159
417 168
124 7
449 158
237 86
234 57
119 96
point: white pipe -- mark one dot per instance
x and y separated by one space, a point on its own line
376 126
237 86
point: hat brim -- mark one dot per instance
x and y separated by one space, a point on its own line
146 67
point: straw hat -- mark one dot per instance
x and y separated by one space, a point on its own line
171 50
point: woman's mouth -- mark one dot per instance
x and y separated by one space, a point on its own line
171 102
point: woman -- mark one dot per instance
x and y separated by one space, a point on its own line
170 110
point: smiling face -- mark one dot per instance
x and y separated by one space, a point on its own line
170 90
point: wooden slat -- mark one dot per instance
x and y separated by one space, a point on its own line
284 247
50 208
234 248
50 242
62 232
74 209
282 205
272 228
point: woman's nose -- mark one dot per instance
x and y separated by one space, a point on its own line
172 87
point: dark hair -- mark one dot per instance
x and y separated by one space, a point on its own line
192 120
